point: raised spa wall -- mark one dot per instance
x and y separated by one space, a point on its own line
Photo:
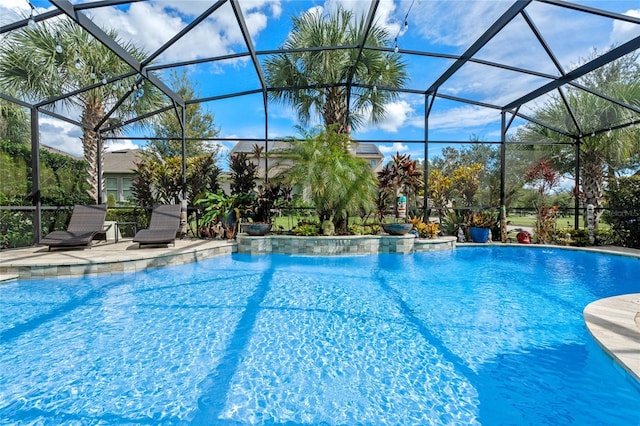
335 245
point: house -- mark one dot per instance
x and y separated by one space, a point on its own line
118 173
367 151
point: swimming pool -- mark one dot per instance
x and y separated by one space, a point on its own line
487 335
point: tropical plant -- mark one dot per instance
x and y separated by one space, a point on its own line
424 229
203 176
517 159
198 124
480 219
544 178
400 176
223 209
338 85
243 173
440 191
14 123
451 222
335 180
467 182
159 181
307 229
267 198
57 57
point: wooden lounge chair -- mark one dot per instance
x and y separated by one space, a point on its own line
85 223
163 226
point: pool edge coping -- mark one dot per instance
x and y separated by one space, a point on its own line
614 323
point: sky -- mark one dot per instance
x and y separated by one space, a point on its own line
441 26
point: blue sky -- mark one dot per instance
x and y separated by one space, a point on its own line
442 26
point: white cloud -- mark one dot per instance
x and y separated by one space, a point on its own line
61 135
391 150
516 44
384 14
150 25
13 10
397 115
465 20
623 31
120 144
455 119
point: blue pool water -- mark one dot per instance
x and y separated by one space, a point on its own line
487 335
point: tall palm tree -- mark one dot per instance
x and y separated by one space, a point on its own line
601 154
58 57
322 74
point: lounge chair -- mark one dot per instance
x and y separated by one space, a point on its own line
85 223
163 226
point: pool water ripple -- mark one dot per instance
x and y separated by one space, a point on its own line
474 336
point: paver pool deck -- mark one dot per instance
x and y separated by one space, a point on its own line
614 322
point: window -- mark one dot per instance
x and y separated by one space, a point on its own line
127 185
112 188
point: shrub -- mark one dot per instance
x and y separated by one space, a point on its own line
363 229
425 230
623 215
307 229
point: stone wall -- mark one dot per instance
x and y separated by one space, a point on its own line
337 245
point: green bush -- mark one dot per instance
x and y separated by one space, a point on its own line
111 200
623 213
139 216
16 229
307 229
580 237
364 229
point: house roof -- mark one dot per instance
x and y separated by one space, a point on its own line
362 149
57 151
121 161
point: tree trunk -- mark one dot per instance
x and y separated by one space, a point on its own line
592 175
91 115
335 109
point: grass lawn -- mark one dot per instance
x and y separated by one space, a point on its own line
287 222
562 222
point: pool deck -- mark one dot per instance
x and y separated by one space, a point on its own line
613 322
124 256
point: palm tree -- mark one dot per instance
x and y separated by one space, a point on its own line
59 57
321 74
336 181
602 154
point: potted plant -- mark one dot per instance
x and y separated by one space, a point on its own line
223 210
479 224
268 197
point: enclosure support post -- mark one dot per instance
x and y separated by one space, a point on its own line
503 156
35 176
99 180
425 202
265 100
576 189
183 121
183 203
